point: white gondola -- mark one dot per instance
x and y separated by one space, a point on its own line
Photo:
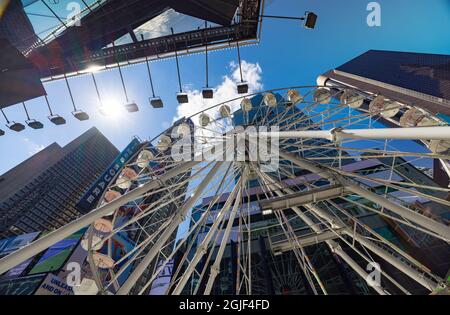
428 121
377 105
97 242
103 226
164 143
183 130
270 100
182 98
390 109
204 120
103 261
411 118
225 111
131 107
86 287
110 195
126 178
352 99
439 146
294 97
144 158
246 105
322 96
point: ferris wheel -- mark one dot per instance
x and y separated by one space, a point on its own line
273 193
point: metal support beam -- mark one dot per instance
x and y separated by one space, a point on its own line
421 220
143 265
304 241
303 198
45 242
420 133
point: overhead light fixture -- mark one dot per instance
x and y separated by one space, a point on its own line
155 101
182 97
267 212
55 119
131 107
242 87
2 133
80 115
310 20
12 125
77 113
208 93
32 123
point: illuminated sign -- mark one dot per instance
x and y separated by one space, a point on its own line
55 257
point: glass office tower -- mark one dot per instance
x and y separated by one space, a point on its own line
41 193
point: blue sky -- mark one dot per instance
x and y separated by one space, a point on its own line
287 56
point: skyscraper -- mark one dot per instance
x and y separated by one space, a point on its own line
41 193
421 80
15 25
411 78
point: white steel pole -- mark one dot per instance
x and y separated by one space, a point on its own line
430 224
418 133
335 248
203 248
413 274
215 268
139 270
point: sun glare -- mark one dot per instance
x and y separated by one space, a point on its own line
111 108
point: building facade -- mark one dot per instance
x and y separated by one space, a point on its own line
41 193
411 78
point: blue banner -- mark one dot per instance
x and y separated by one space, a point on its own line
91 198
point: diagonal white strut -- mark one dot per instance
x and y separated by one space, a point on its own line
408 214
45 242
419 133
154 250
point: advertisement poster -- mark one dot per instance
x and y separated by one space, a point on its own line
91 198
55 257
54 285
9 245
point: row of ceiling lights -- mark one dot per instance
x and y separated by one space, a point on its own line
130 106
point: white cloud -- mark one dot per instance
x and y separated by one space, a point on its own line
225 91
32 147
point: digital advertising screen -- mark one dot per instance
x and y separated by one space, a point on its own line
9 245
55 257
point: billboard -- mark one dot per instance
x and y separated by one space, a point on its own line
9 245
55 257
92 196
54 285
21 286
